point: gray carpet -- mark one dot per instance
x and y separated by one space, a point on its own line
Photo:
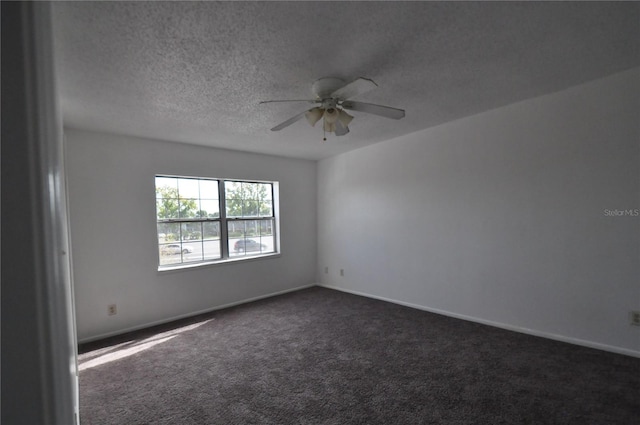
319 356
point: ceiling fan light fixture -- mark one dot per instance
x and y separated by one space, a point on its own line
329 127
314 115
330 118
331 115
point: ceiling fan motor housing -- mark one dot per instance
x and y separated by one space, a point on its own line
329 104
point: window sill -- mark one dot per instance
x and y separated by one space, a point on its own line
214 263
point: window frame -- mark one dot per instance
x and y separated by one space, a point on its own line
223 224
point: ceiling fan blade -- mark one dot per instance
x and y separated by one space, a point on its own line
292 100
341 129
289 121
354 88
370 108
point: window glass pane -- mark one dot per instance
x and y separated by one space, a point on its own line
188 208
235 229
170 253
233 198
251 245
234 208
265 191
168 232
166 208
191 251
250 190
266 228
211 249
266 200
211 230
268 243
191 231
266 209
248 199
188 188
209 208
252 199
164 184
162 235
233 189
167 198
250 237
267 235
209 189
251 228
250 208
235 235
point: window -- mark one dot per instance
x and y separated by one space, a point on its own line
202 220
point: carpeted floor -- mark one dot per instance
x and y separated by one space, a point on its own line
319 356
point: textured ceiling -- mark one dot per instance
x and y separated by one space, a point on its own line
195 72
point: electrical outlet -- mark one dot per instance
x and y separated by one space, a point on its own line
341 272
326 270
111 309
634 318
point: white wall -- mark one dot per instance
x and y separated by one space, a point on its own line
499 217
114 239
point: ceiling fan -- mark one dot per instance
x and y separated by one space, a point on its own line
333 97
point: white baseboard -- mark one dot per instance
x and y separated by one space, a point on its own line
195 313
556 337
